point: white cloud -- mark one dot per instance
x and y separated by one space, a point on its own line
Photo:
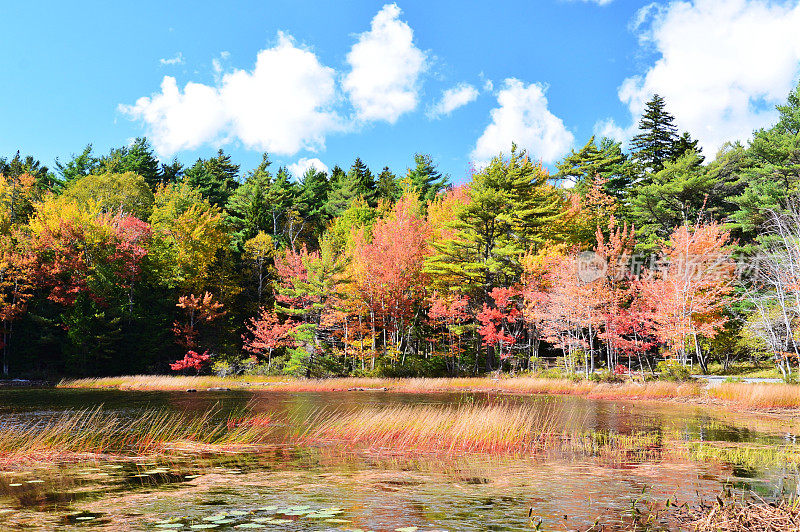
384 79
452 99
523 117
177 60
284 105
609 128
299 168
723 65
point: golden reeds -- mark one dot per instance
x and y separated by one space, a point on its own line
750 395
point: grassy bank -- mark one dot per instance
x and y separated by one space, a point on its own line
752 396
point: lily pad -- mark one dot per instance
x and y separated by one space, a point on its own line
407 529
169 525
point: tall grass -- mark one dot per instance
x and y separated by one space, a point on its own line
761 395
402 429
749 395
529 385
96 431
425 428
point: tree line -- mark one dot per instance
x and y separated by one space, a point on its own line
121 263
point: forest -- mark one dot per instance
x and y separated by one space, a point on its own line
617 259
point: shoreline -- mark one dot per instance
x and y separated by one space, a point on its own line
772 399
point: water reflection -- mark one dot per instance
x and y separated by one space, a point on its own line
563 487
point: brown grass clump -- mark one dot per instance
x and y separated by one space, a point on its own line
748 516
757 396
762 395
431 429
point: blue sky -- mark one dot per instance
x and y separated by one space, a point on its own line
326 81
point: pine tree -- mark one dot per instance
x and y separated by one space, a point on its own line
592 163
138 158
18 165
426 179
358 182
79 166
773 175
677 195
314 190
511 208
247 209
280 200
387 187
654 146
215 178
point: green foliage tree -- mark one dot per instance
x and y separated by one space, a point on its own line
511 209
659 141
676 195
591 163
773 172
426 179
113 193
247 207
18 165
138 157
78 166
216 178
358 182
387 187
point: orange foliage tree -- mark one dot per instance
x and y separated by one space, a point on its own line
693 288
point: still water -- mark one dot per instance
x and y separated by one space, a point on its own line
322 488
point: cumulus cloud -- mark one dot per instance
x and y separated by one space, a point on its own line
284 105
452 99
177 60
385 69
722 66
299 168
523 117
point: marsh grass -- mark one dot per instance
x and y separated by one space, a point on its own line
748 456
432 429
471 429
95 431
756 396
761 395
527 385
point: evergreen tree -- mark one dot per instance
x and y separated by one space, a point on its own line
18 165
215 178
280 200
655 145
137 158
426 179
358 182
387 187
592 162
247 207
511 209
676 195
171 172
314 190
78 166
773 175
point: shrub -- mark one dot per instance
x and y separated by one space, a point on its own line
669 370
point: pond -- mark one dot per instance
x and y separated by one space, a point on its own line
325 487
